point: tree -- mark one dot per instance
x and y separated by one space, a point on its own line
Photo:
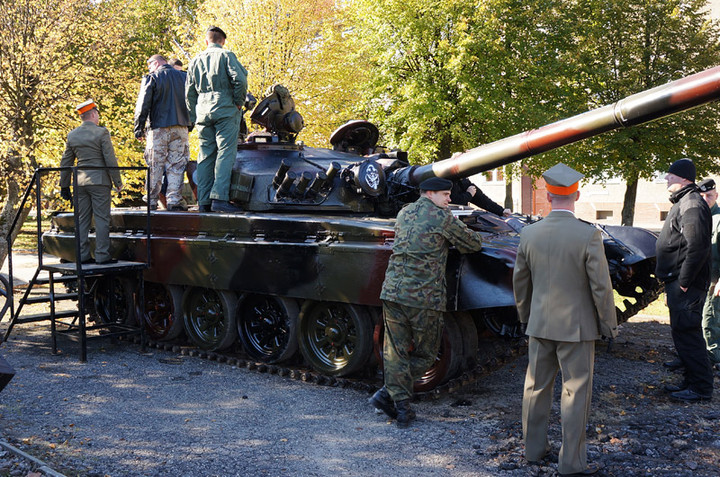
296 44
42 41
634 45
56 54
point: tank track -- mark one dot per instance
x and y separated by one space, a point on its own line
502 352
494 354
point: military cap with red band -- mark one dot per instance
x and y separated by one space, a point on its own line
86 106
561 179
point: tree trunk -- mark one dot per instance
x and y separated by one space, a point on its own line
628 210
508 195
6 218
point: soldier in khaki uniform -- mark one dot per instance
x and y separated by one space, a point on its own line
215 94
564 295
413 293
90 144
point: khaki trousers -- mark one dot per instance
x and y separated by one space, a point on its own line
94 203
576 361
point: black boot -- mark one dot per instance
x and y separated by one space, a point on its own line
224 206
404 413
381 400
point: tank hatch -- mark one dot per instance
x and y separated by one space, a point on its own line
356 136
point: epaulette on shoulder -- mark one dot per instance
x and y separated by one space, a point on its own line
586 222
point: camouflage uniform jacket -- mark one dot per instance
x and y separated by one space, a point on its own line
416 271
216 85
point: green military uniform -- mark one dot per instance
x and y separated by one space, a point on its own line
711 310
413 292
215 90
91 146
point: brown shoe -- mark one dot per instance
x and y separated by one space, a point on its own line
591 469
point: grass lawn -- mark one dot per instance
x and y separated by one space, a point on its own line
27 238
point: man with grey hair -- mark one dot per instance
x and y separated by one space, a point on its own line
167 150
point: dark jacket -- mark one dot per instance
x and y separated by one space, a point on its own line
460 196
162 99
683 248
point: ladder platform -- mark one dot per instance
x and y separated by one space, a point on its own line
94 268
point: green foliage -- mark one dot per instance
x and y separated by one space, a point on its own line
448 75
56 54
296 44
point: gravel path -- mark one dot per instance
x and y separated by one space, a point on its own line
127 413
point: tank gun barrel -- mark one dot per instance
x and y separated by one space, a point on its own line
655 103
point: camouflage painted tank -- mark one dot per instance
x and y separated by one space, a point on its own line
300 269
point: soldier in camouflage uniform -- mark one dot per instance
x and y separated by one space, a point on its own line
413 293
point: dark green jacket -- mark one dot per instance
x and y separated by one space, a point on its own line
90 144
416 271
216 85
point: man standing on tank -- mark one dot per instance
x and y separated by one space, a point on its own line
683 265
90 144
167 149
215 94
413 293
564 294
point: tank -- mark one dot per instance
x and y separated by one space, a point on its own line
297 274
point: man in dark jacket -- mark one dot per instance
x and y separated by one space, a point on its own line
464 192
162 100
683 264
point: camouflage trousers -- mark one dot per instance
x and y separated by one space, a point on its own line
166 153
411 344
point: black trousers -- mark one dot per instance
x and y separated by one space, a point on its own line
686 326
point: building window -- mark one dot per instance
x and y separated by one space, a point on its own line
663 215
603 214
495 175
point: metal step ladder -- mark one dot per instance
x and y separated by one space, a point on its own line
86 277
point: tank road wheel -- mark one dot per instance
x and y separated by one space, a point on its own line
267 327
209 317
449 360
335 338
162 313
113 300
